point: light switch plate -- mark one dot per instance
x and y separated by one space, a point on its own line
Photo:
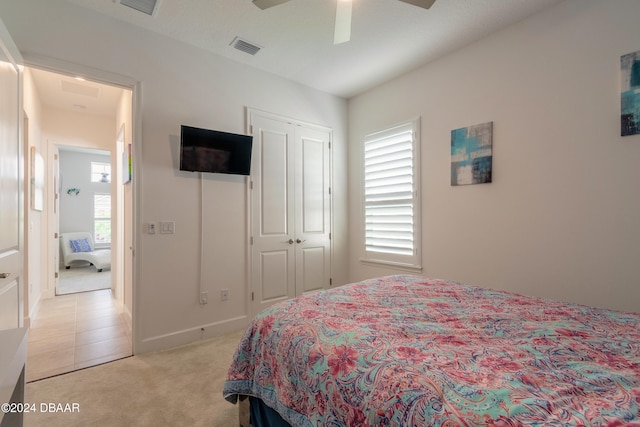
167 227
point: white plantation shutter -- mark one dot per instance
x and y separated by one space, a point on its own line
391 196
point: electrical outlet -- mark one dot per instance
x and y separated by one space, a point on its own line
224 295
151 228
204 297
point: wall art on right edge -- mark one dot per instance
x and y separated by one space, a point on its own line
126 164
472 154
630 94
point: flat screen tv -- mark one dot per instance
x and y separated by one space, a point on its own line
204 150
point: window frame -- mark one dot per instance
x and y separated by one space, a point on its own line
101 219
406 262
96 175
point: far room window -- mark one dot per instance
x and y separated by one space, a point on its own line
102 219
100 172
392 196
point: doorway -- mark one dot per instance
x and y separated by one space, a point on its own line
85 216
90 124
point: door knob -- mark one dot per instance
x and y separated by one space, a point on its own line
4 275
290 241
300 241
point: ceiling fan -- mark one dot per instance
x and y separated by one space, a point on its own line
342 32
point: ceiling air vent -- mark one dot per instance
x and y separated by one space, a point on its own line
144 6
245 46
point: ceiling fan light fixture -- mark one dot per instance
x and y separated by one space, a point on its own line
144 6
425 4
266 4
342 30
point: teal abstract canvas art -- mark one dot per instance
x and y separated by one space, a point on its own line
630 94
472 154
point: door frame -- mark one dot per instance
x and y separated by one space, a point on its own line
105 77
249 113
53 221
53 227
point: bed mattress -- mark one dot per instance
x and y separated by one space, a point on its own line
411 351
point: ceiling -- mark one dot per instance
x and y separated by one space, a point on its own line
388 37
77 95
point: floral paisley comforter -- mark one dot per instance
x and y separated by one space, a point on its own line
411 351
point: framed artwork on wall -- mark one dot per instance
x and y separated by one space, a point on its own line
630 94
472 154
126 164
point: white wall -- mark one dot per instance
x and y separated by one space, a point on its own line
71 129
182 85
76 211
36 221
561 217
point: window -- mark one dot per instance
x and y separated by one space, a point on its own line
100 172
392 196
102 219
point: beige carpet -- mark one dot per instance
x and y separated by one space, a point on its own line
82 279
176 387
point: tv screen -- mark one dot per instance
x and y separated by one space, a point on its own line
204 150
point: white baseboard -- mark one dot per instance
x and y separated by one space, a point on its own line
187 336
33 311
128 318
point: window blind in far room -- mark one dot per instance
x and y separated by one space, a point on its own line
102 219
392 196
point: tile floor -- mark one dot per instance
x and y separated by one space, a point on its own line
75 331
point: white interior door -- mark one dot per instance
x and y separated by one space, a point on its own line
11 189
312 209
291 209
273 244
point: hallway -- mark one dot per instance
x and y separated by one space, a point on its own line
76 331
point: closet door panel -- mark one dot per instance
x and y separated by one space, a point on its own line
274 164
274 270
312 186
313 209
311 269
272 213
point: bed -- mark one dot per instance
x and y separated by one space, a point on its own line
411 351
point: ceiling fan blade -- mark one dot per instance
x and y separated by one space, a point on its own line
266 4
425 4
342 30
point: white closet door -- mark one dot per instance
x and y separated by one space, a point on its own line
312 210
273 247
291 209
